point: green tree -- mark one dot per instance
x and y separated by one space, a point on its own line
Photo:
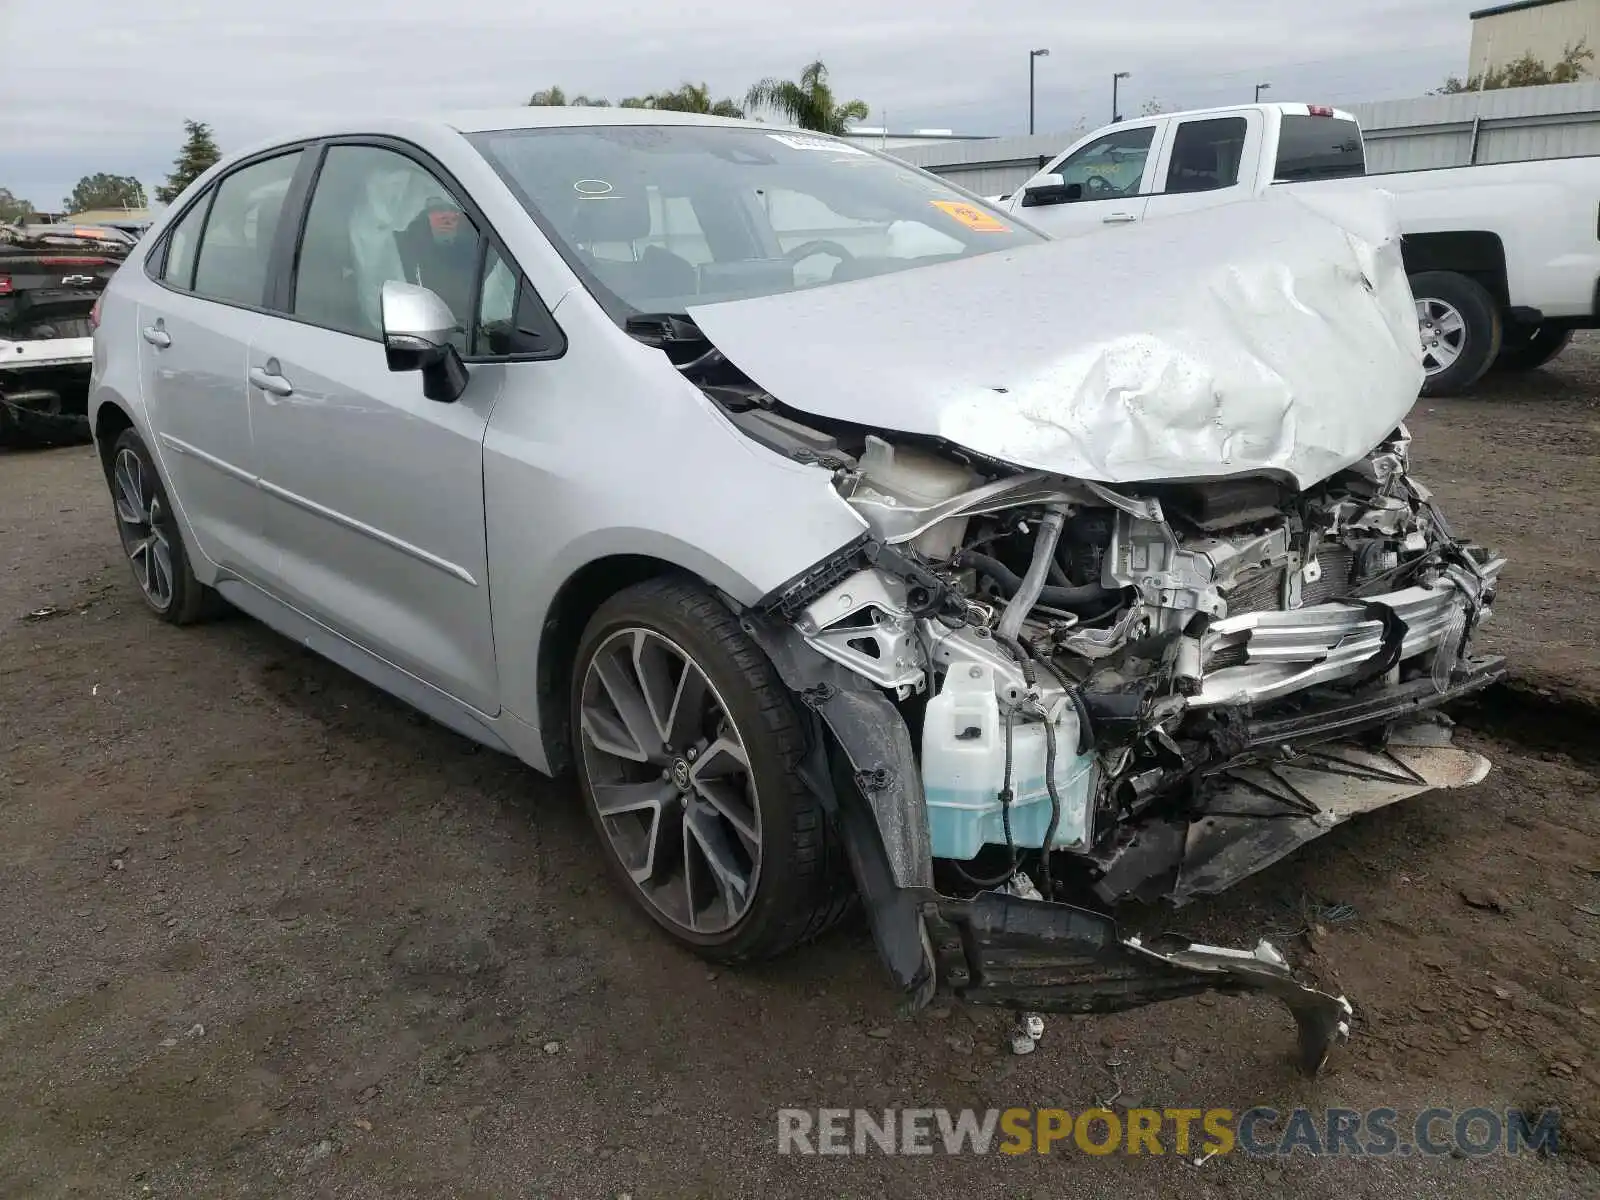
808 103
197 156
555 96
1526 71
12 209
104 191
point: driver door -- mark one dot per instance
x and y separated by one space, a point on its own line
1112 174
373 492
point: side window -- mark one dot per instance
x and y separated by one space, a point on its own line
497 306
183 241
1111 166
1206 154
238 235
377 216
511 318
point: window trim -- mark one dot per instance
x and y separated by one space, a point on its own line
1178 127
283 274
163 249
1158 144
154 270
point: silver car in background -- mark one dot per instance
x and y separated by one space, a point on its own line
843 536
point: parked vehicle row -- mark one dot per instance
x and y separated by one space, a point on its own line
1504 258
50 278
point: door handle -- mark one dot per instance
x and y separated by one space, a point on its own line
1119 219
157 336
270 381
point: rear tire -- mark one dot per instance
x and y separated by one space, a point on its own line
673 815
1460 327
148 529
1529 348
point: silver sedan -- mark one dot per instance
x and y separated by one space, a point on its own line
843 536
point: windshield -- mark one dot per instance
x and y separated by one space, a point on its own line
658 218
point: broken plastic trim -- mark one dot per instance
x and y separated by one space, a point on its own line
1006 951
994 949
789 599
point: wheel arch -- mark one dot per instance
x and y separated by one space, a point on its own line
110 419
577 599
1479 255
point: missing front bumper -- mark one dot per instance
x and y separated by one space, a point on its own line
1291 778
1006 951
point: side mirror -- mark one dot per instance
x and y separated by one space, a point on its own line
416 337
1050 190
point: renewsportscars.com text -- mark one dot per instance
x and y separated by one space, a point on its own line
1259 1132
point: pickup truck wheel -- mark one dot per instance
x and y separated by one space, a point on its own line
1459 323
688 753
1529 348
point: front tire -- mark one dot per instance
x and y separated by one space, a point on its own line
688 747
1531 348
1460 327
148 528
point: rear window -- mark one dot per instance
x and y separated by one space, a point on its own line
1319 148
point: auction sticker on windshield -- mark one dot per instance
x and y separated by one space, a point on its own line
795 142
971 216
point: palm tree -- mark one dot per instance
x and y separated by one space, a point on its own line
693 98
808 103
555 96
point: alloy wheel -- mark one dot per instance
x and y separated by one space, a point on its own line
139 517
1444 334
670 779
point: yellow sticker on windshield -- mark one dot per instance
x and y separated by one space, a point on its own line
971 216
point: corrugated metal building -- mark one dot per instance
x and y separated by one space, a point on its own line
1560 120
1542 28
1509 125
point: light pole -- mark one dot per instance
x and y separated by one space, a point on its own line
1261 87
1116 79
1033 55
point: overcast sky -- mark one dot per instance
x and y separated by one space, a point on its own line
111 83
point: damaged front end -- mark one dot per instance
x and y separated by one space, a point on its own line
1167 687
1145 692
1147 598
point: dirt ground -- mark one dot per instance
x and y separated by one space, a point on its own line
263 932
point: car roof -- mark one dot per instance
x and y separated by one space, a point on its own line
1286 107
553 116
424 127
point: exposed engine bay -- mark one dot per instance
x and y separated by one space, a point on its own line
1144 691
1119 674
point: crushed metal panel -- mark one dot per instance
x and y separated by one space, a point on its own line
1276 334
1012 952
1251 822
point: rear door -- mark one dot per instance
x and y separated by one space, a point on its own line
195 326
1108 180
373 492
1208 161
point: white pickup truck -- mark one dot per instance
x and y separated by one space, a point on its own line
1504 258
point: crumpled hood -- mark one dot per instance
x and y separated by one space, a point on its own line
1276 334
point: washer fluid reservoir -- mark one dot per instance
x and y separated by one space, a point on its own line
963 770
916 479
